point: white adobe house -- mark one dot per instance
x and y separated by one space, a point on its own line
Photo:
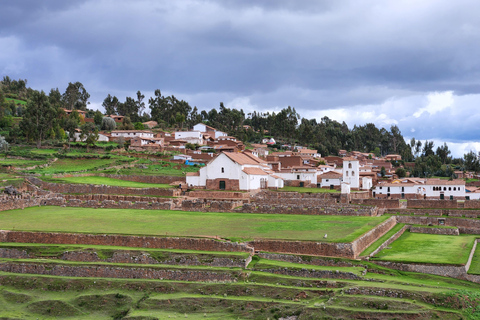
201 127
351 172
423 188
235 171
329 179
131 133
367 183
194 137
300 173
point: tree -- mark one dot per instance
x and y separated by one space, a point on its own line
108 124
443 152
39 117
76 97
139 126
401 172
471 161
428 148
89 133
110 104
383 172
140 103
71 124
127 124
98 118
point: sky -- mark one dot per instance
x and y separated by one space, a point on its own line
414 64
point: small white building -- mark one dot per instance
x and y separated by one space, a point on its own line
422 188
194 137
131 133
305 174
235 171
329 179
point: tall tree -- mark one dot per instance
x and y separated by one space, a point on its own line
39 117
76 96
110 104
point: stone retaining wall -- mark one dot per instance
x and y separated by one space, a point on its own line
104 271
200 244
296 202
218 195
317 261
373 235
444 231
313 210
438 212
328 249
129 256
383 203
451 204
102 189
312 273
462 224
112 197
451 271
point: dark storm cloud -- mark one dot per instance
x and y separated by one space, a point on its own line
322 57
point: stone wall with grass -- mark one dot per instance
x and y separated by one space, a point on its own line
468 213
130 256
363 242
218 195
133 178
310 210
440 204
381 203
202 244
471 226
102 189
105 271
433 230
452 271
328 249
390 240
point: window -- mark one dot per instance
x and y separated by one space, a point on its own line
403 189
449 188
454 188
353 173
346 173
298 177
349 165
223 170
444 188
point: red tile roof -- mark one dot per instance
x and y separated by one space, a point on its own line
254 171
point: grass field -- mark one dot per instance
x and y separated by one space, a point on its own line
429 248
475 266
156 168
233 226
16 101
20 162
107 181
75 165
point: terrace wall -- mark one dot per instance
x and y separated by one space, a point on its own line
447 204
116 272
451 271
442 231
124 241
136 257
218 195
381 203
373 235
309 210
102 189
468 226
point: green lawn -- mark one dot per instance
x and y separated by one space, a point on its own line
162 168
107 181
475 266
429 248
16 101
234 226
20 162
76 165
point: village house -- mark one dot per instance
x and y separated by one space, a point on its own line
214 133
128 134
235 171
416 188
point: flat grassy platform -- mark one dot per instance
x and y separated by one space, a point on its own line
234 226
107 181
429 248
475 266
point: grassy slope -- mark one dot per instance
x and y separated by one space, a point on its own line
182 223
475 266
107 181
382 239
429 248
